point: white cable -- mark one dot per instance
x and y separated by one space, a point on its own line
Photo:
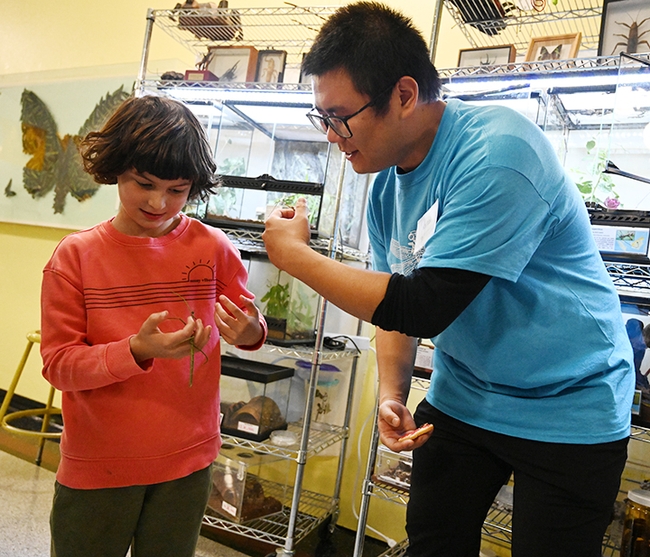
391 542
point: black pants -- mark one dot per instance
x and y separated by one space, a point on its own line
563 494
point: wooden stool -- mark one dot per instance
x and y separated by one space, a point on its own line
46 412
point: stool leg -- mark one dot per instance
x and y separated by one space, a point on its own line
14 381
44 426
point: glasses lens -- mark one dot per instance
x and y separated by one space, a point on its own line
340 127
318 121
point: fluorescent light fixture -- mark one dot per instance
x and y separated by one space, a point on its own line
206 94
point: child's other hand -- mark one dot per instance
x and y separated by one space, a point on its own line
238 327
151 342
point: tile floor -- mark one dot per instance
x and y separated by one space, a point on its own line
25 499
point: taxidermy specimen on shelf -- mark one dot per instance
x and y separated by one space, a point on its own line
218 23
56 163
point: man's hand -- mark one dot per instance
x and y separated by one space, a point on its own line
393 422
238 327
286 230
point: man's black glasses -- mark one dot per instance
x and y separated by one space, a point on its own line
340 123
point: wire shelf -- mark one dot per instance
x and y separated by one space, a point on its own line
321 436
487 23
606 64
250 241
290 28
313 509
389 492
398 550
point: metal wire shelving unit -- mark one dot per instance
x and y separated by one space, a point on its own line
290 28
489 22
498 523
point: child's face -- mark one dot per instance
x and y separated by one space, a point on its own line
149 206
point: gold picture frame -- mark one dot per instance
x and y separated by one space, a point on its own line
555 47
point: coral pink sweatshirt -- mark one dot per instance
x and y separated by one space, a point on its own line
125 424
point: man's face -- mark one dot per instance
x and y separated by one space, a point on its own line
372 145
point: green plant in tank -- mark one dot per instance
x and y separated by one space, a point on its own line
301 315
232 166
595 186
277 299
290 201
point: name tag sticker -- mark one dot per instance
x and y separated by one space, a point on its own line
426 227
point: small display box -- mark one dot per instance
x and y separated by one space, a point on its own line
254 397
238 491
243 202
393 468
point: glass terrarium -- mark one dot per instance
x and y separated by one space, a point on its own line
241 488
243 202
254 397
270 154
289 306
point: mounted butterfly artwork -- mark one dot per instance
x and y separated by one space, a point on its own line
41 171
56 163
558 47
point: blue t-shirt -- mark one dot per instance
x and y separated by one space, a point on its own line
542 352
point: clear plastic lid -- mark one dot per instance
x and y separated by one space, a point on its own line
639 496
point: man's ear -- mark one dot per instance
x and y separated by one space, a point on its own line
409 92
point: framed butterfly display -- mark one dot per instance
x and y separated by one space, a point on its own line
557 47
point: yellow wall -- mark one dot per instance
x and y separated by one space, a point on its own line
46 39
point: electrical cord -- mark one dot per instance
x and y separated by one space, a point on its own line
389 541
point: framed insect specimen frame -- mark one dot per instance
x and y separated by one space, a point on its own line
270 66
489 56
233 63
624 27
557 47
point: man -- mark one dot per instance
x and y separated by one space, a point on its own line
481 242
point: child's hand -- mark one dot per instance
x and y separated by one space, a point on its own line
238 327
151 342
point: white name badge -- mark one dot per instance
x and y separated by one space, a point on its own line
426 227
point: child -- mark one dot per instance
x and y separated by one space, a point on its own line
125 304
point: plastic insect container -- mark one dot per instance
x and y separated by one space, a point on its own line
239 492
636 527
393 468
254 397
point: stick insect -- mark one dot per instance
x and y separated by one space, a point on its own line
193 347
632 40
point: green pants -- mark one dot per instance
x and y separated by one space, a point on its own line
157 520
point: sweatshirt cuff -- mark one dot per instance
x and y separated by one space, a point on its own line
260 342
120 361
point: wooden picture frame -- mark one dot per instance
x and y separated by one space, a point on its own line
270 66
488 56
236 64
304 77
556 47
624 27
